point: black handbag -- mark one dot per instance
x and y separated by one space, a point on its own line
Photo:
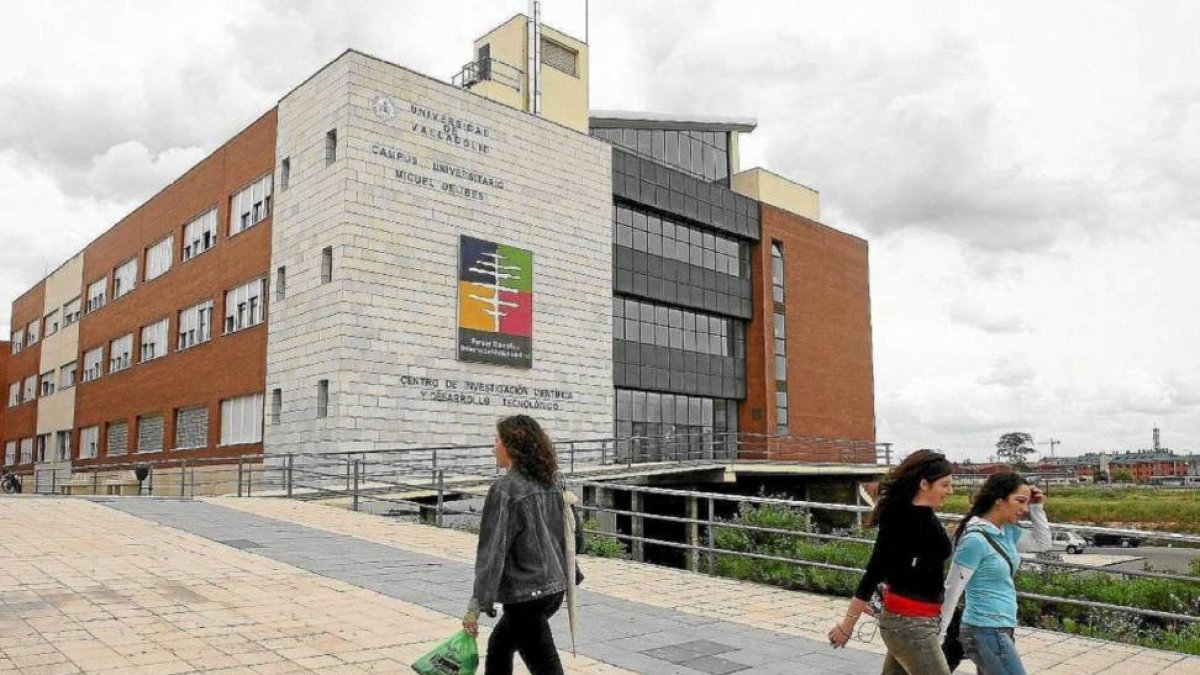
952 647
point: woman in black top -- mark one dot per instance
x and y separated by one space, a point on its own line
910 553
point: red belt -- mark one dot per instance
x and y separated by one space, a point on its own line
898 604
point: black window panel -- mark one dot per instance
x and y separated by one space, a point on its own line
644 142
658 148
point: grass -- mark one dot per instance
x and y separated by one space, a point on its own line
1165 510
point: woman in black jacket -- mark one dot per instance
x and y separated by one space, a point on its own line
909 555
522 558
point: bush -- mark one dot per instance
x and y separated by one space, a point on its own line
602 545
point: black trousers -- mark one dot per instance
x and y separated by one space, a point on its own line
524 628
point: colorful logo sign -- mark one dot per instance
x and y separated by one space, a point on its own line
495 303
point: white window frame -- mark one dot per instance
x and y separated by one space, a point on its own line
46 383
125 278
93 365
159 257
41 447
10 453
29 391
26 451
66 375
122 451
199 235
120 353
96 294
51 322
251 205
32 332
71 312
62 450
245 306
154 341
18 340
195 325
14 394
89 442
242 420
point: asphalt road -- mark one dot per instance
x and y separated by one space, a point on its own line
1161 557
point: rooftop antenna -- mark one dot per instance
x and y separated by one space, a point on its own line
1157 439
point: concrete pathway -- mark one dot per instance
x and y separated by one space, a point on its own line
263 585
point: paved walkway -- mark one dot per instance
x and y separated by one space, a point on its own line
274 586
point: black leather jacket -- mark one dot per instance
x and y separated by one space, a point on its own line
522 542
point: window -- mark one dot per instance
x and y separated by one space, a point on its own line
323 398
124 278
781 413
191 428
154 341
10 453
200 234
91 364
558 57
250 206
42 448
647 323
47 383
244 306
31 333
285 173
159 257
777 271
30 389
241 420
330 147
71 312
66 376
779 330
276 406
671 239
120 353
95 294
327 264
89 441
118 438
51 324
26 450
62 445
195 324
150 433
18 340
280 283
14 394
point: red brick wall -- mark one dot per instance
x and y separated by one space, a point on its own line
21 422
830 369
5 351
225 366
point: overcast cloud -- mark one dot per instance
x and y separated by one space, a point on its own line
1025 172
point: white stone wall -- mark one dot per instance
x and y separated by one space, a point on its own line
389 316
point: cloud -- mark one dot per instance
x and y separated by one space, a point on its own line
129 171
1012 370
987 316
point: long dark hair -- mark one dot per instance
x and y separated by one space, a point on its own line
903 482
996 488
529 447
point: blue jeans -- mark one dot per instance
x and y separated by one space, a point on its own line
993 650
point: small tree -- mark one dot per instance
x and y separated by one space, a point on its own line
1122 476
1014 446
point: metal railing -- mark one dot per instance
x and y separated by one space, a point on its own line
700 539
489 69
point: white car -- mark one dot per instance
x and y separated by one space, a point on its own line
1065 540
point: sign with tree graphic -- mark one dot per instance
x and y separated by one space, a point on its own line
495 303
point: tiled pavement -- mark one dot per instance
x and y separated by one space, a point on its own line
260 585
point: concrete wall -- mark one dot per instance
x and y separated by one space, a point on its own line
383 331
773 189
57 411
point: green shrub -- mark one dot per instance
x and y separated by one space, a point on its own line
602 545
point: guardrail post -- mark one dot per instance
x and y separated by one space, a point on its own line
693 534
604 452
53 481
355 497
441 496
183 478
571 447
249 479
239 477
348 471
638 527
95 481
712 556
290 466
434 468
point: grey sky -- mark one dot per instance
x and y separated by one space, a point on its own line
1023 171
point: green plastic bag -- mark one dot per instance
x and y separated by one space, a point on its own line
458 655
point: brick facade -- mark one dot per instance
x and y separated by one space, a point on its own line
830 381
226 365
20 422
5 353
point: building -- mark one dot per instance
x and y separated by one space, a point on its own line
388 260
1151 466
6 459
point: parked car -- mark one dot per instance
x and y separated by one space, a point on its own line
1066 540
1109 539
